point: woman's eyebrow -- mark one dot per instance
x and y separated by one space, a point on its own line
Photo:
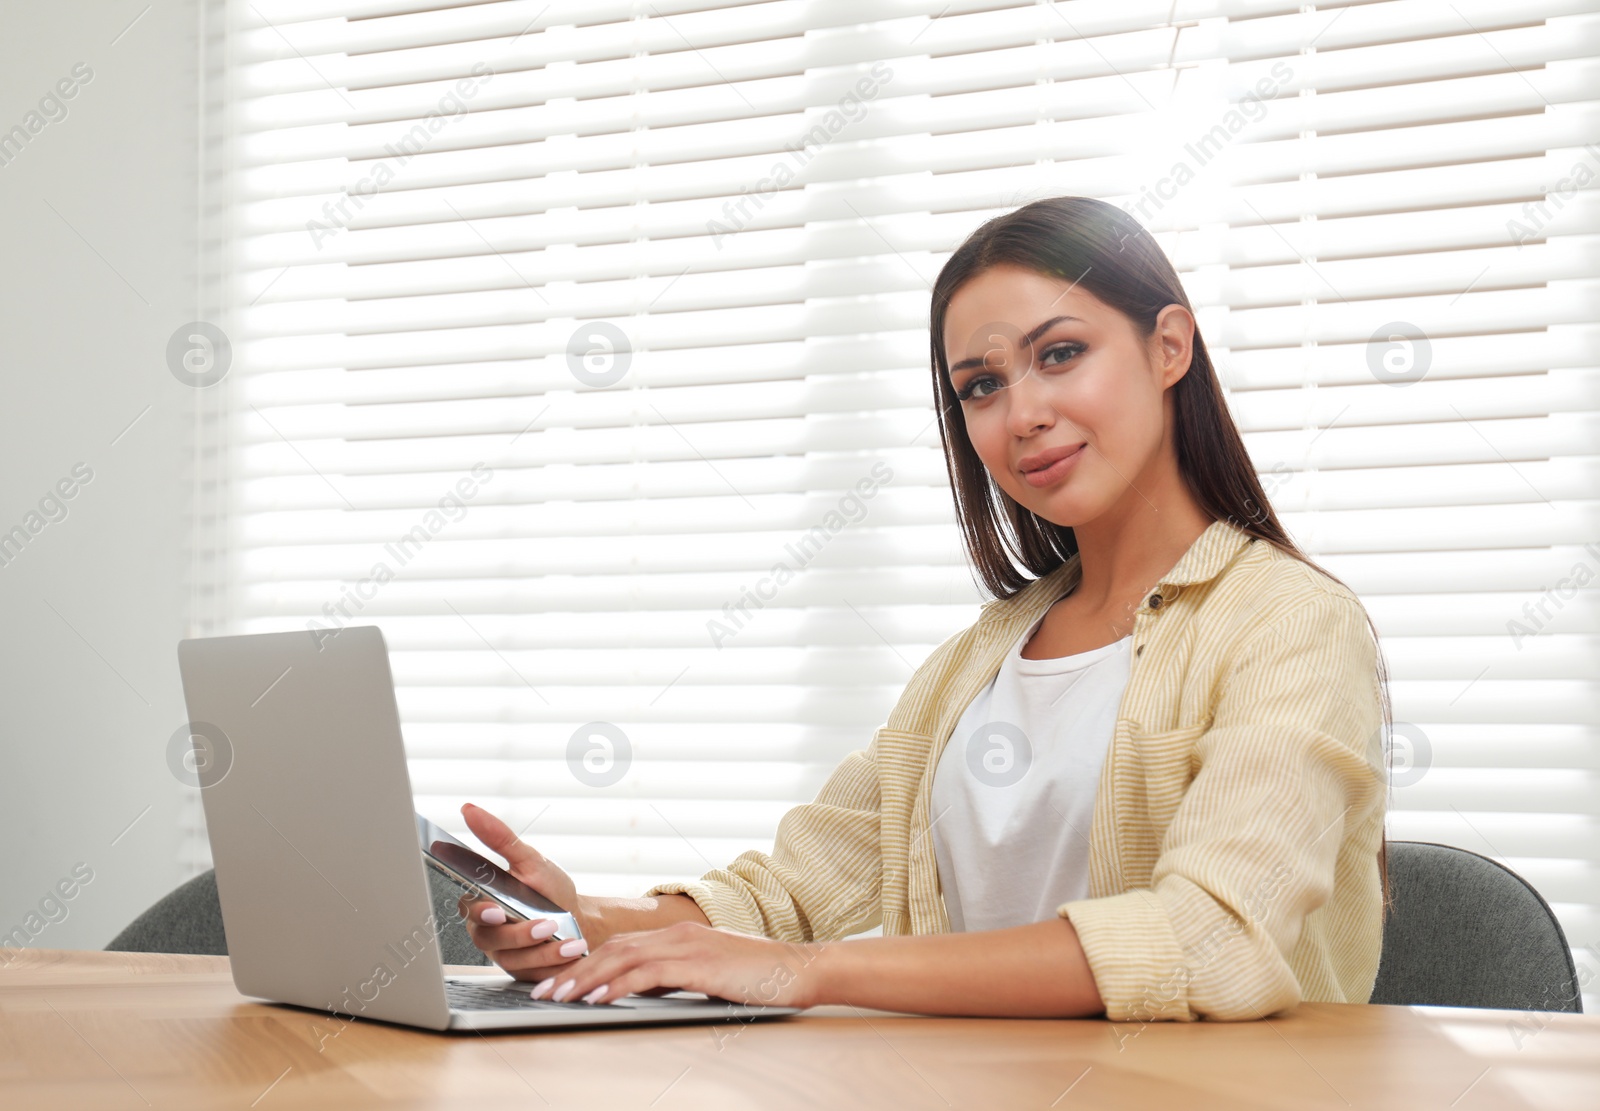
977 360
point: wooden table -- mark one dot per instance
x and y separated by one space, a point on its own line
120 1030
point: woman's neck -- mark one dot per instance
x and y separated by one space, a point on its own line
1123 554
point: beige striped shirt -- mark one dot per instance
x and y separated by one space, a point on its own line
1234 848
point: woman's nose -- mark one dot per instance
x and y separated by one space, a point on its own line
1028 402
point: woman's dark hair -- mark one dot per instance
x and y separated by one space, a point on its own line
1101 249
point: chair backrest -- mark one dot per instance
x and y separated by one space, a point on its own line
189 920
1466 931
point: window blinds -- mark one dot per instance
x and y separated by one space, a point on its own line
582 347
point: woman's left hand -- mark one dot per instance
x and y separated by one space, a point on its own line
689 956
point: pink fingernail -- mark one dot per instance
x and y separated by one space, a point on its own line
542 987
574 948
561 992
542 930
596 993
492 916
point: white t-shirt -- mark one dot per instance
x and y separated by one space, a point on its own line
1014 792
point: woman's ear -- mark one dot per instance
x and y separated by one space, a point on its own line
1172 343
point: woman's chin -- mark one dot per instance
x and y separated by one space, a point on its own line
1062 511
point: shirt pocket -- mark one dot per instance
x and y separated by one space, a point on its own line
1168 762
901 754
902 758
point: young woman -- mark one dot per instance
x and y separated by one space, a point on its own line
1148 782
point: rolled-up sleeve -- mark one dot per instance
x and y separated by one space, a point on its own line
1290 763
822 879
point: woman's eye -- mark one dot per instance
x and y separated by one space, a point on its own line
1047 358
966 392
1067 350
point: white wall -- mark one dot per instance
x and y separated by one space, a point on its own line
97 241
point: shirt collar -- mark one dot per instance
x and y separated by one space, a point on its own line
1212 551
1004 619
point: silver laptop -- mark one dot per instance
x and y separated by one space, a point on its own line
325 901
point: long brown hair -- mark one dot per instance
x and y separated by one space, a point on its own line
1100 248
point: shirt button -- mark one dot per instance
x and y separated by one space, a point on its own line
1154 601
1138 650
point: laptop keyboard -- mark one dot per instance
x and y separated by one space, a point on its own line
493 997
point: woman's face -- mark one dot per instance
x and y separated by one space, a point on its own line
1046 370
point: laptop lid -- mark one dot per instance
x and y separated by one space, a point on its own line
308 804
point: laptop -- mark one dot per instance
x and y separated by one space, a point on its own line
325 900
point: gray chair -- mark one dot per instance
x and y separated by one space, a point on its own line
189 920
1465 931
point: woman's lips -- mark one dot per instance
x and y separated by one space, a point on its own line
1055 471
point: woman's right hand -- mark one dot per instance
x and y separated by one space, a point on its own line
523 949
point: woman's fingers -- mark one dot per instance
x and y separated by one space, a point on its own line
483 914
529 961
484 911
525 862
470 910
513 944
513 935
489 829
534 964
658 974
527 950
628 963
516 935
